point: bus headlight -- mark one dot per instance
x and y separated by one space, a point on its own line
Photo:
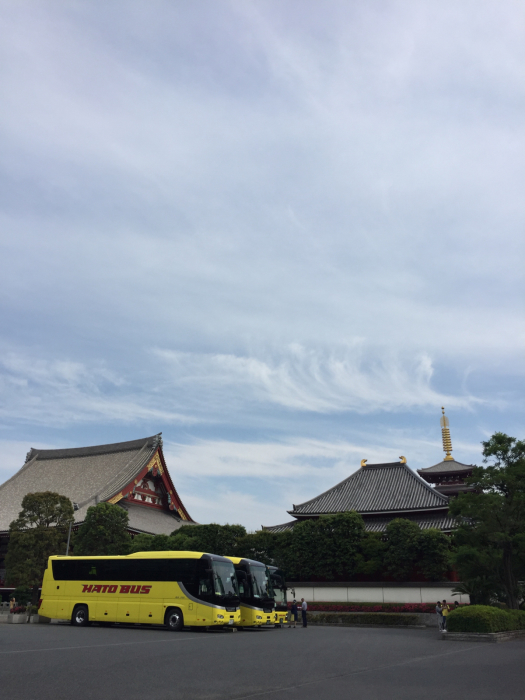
221 617
258 617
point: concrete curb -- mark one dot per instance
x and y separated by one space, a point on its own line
311 623
493 637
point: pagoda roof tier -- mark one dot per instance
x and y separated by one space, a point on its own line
88 475
389 488
448 467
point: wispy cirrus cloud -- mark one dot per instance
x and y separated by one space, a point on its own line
63 393
353 379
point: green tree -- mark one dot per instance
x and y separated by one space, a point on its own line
372 554
39 532
260 546
337 545
152 543
402 548
104 532
490 537
212 538
433 554
328 547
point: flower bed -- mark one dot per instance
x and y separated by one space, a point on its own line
372 607
18 610
485 619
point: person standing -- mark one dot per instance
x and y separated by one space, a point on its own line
445 611
304 608
439 613
293 614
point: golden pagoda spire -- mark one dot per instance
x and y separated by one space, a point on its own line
445 432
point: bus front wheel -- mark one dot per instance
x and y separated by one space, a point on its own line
174 620
80 616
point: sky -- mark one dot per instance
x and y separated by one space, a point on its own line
281 233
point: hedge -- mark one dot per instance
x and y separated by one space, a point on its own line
485 619
363 619
372 607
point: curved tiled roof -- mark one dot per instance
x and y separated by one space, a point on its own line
376 488
444 467
86 475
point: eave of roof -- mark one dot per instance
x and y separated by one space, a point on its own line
440 521
447 467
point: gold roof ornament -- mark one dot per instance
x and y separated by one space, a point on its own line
363 462
403 459
445 432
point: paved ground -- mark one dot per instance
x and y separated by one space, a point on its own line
59 662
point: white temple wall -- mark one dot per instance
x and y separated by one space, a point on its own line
377 592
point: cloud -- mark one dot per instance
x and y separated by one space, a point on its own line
355 379
63 392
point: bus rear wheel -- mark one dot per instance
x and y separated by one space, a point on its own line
80 616
174 620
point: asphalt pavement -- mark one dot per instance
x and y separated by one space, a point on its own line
60 662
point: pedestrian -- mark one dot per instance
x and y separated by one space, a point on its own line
293 614
12 605
445 611
304 608
439 613
456 605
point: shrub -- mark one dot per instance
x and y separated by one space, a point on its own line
484 619
363 619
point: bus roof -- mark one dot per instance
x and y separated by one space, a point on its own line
168 554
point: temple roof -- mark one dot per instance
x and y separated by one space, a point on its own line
447 466
376 488
88 475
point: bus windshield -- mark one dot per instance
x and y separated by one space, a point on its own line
279 595
224 579
260 583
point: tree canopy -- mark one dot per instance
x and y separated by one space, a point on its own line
490 536
39 532
104 532
213 538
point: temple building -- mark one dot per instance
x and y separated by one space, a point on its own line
131 474
382 492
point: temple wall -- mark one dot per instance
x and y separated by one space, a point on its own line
350 592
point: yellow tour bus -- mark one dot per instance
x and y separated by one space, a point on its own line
173 588
255 592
